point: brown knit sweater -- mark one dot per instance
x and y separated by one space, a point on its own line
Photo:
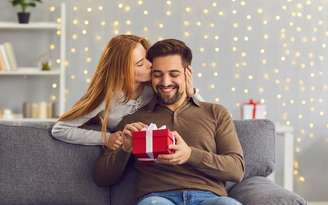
207 128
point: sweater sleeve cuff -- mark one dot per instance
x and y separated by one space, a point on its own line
122 156
196 156
123 152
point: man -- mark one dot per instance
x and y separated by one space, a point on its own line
207 150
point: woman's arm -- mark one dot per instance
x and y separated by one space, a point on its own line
69 131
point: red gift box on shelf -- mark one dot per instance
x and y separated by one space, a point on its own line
253 110
148 144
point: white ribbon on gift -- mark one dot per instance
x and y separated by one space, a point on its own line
149 141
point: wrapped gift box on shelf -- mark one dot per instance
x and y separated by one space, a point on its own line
253 110
148 144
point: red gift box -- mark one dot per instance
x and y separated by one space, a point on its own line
253 110
147 145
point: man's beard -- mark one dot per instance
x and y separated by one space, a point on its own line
169 100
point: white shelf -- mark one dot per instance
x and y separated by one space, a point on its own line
285 140
59 72
29 71
30 120
31 25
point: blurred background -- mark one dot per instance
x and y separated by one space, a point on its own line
274 52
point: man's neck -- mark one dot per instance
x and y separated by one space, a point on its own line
179 103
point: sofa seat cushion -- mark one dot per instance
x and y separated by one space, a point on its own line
262 191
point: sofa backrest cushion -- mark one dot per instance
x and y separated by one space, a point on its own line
37 169
257 138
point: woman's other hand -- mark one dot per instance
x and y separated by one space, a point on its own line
114 140
189 86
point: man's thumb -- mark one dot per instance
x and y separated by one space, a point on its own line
176 136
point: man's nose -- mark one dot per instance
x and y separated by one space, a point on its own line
166 80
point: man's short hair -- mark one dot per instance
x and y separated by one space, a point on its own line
170 47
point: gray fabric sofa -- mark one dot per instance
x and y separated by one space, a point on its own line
37 169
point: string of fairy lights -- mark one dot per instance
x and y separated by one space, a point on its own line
278 55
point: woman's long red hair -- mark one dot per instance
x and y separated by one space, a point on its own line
114 74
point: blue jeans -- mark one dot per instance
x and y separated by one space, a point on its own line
186 198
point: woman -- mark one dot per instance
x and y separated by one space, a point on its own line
118 88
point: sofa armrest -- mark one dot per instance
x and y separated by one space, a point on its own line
262 191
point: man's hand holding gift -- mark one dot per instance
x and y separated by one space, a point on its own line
181 153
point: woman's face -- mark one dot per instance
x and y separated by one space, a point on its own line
141 66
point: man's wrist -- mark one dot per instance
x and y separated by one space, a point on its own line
126 148
196 156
